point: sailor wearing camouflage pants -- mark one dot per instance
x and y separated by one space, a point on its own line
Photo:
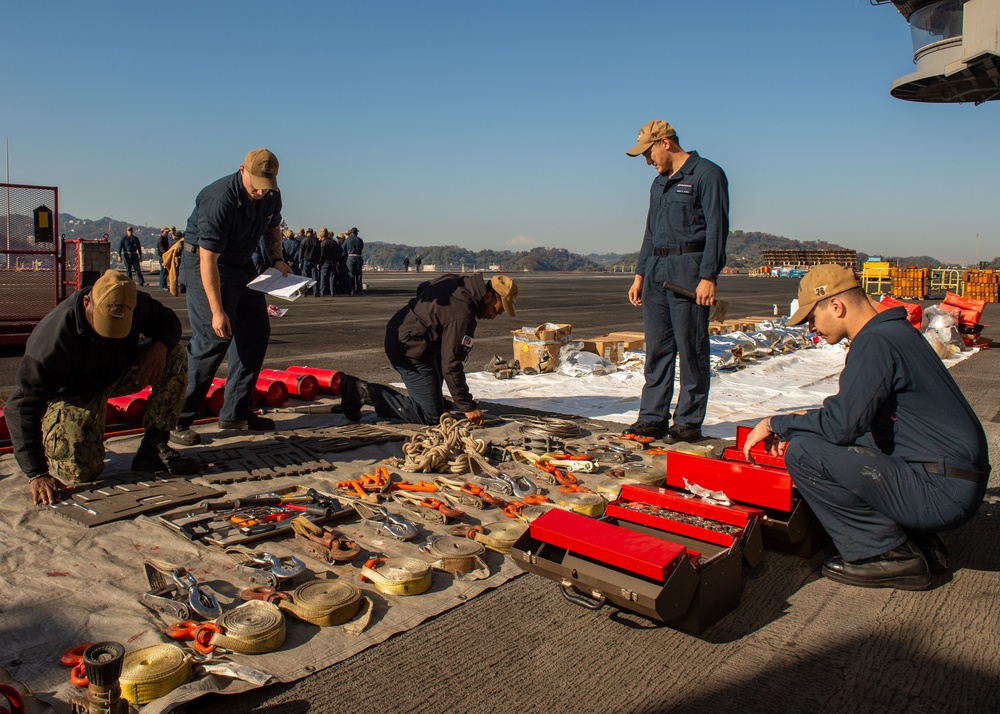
102 341
73 429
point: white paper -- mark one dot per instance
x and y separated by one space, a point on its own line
289 287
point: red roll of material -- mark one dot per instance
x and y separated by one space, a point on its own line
272 391
4 431
131 408
329 379
110 417
303 386
215 397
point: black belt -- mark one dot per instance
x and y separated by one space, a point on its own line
952 471
190 247
680 249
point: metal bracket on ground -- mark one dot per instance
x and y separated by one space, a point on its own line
127 495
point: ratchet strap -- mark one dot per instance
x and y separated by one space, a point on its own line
252 628
460 556
398 576
149 673
497 536
324 543
323 602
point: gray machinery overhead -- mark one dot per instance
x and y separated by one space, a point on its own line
956 48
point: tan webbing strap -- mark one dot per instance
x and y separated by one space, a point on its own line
252 628
323 602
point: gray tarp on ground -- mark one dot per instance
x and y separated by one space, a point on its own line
62 584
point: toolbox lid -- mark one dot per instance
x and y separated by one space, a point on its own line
638 553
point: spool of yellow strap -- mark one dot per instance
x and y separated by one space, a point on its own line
323 602
151 672
611 488
586 504
252 628
501 535
398 576
530 513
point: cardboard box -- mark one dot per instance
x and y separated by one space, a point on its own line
606 346
541 345
631 340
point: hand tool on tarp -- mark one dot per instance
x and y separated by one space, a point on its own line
721 306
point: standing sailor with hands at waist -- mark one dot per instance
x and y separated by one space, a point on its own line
684 243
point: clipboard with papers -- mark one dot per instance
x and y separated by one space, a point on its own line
288 287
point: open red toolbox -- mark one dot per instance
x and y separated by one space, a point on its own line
665 555
788 524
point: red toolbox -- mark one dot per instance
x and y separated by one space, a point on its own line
665 555
788 524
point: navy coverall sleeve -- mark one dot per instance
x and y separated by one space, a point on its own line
161 324
713 190
647 245
215 219
453 356
868 380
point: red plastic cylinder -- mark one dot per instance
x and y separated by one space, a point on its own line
110 417
274 392
216 396
303 386
329 379
4 431
131 408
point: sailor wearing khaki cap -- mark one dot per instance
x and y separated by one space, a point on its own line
684 245
428 342
891 459
85 350
231 216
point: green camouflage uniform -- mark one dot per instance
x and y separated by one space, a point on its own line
73 429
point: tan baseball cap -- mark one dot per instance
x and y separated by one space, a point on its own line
113 297
651 133
819 283
262 166
506 289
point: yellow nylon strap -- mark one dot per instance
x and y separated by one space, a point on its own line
399 576
152 672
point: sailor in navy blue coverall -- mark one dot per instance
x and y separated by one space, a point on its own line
895 456
685 244
229 218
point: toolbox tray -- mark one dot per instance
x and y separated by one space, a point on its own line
670 577
788 524
231 535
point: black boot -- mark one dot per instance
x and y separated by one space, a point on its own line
155 455
353 395
903 568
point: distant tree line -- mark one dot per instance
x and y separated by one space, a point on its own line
744 250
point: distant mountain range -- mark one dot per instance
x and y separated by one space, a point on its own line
744 250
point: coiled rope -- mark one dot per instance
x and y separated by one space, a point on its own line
444 448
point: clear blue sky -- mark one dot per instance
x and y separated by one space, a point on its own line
498 124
